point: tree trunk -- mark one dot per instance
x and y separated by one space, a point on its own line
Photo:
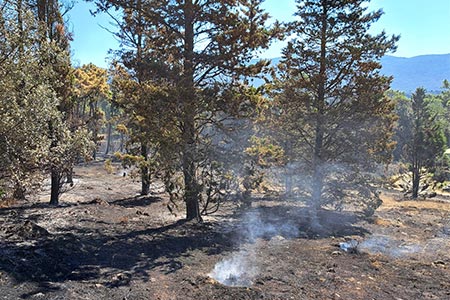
93 126
108 140
19 192
70 177
288 181
317 187
191 188
289 170
122 142
318 160
316 196
55 178
318 176
415 182
55 187
145 176
191 192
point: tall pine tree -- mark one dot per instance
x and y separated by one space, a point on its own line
27 100
35 96
427 141
202 49
332 95
53 31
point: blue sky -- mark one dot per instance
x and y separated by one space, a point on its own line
424 26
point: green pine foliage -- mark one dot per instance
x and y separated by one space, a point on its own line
178 93
330 99
35 139
420 135
199 52
27 101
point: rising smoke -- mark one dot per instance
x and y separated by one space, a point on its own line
241 268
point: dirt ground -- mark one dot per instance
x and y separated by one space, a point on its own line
106 242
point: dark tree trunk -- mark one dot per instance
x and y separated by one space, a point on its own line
318 159
19 192
55 177
415 182
191 193
108 139
122 142
318 176
145 175
93 127
55 187
70 177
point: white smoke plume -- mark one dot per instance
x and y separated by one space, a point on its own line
239 269
242 267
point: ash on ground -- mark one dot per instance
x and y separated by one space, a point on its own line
238 270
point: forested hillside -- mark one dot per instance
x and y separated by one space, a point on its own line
427 71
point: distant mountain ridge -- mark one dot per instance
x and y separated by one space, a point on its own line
428 71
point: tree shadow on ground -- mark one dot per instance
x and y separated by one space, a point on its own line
132 202
291 221
139 201
115 256
110 259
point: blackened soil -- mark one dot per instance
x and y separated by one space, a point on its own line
103 242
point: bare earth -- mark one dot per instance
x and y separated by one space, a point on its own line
105 242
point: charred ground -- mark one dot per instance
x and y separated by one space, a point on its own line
103 244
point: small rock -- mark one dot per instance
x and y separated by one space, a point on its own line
336 253
349 246
100 201
438 263
278 238
38 295
303 235
140 213
31 230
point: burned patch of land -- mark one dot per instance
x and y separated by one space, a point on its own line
104 242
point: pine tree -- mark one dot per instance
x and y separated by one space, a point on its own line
35 93
202 50
331 99
27 101
53 31
91 89
427 138
138 90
